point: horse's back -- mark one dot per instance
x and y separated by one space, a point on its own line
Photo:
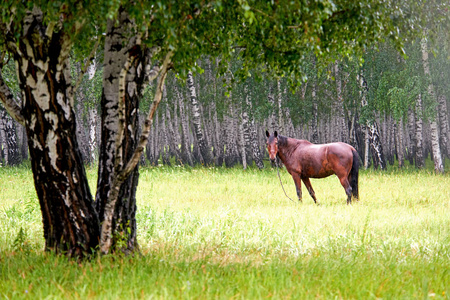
340 156
341 149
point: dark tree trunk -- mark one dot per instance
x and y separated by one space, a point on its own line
24 143
11 149
3 143
70 221
14 157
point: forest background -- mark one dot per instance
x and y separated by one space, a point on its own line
380 103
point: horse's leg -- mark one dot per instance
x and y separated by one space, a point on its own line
308 185
348 189
298 185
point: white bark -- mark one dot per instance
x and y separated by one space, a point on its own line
281 127
205 152
245 135
256 153
106 229
314 130
93 119
444 125
435 146
372 136
420 160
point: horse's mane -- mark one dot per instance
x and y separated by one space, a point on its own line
282 141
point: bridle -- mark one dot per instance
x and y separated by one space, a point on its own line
278 171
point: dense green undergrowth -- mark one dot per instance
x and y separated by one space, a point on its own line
230 233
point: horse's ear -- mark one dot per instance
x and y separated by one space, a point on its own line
267 133
275 134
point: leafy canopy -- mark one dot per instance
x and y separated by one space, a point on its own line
274 36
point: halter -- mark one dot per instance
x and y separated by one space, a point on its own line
278 171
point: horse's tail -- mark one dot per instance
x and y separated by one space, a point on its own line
353 176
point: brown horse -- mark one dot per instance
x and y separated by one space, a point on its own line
304 160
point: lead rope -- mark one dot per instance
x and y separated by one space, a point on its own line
278 171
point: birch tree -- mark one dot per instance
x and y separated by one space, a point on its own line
205 150
437 156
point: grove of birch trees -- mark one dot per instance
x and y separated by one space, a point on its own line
382 107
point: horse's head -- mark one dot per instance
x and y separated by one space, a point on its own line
272 145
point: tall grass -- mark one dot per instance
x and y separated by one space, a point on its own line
229 233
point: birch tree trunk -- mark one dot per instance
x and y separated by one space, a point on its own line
156 145
185 141
93 119
420 160
390 135
231 154
281 127
273 126
14 157
443 122
3 143
314 116
70 221
242 146
81 130
256 153
339 108
165 146
366 147
24 143
411 136
124 76
219 146
372 132
9 135
437 156
245 136
173 142
205 151
398 128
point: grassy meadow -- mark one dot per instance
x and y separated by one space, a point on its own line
232 234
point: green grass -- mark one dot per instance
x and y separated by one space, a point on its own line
228 233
